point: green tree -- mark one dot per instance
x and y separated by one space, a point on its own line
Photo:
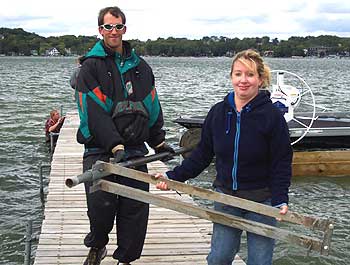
18 41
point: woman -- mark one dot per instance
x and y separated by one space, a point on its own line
250 140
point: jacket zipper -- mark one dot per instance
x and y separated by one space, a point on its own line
119 62
235 152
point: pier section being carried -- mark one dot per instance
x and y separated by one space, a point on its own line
172 237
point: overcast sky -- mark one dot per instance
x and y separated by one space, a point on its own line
192 19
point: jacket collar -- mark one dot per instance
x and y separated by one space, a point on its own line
101 50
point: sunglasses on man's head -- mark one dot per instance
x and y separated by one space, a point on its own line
109 27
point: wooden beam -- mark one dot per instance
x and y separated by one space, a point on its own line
292 217
321 163
320 156
258 228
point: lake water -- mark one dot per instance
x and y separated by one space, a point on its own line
30 87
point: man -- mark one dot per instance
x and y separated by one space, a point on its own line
119 111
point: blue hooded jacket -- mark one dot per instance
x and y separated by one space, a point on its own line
252 148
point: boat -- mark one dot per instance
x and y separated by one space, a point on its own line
320 139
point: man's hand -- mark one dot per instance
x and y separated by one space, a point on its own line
162 148
118 153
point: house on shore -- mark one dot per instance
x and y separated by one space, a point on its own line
52 52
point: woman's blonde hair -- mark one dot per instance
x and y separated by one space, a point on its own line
250 56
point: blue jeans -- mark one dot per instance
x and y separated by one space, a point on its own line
225 241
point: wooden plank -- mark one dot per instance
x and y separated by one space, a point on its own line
319 156
321 163
149 260
150 241
322 169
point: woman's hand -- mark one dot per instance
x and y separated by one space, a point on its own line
161 184
283 211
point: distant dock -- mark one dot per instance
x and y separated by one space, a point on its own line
172 238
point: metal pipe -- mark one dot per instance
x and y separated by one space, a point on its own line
89 175
147 159
92 175
28 243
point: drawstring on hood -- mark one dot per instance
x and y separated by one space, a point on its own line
230 112
228 121
248 108
260 99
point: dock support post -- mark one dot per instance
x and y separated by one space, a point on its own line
28 243
41 182
52 143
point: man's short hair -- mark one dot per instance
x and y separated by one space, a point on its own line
114 10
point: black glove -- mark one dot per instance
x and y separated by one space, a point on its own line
165 148
119 154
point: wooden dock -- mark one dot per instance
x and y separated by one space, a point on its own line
172 237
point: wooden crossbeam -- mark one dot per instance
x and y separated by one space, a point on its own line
311 243
208 214
292 217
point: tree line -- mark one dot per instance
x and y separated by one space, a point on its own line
19 42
